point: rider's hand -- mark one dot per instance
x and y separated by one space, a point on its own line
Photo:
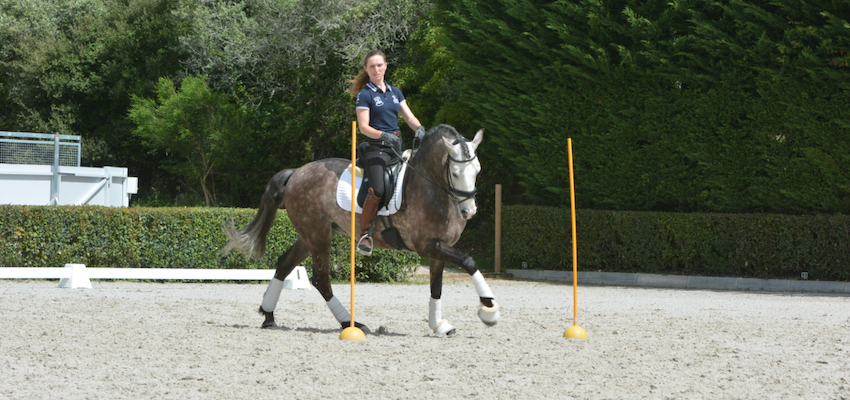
390 138
420 132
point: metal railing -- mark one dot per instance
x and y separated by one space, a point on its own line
39 149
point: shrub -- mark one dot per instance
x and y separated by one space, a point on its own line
737 245
47 236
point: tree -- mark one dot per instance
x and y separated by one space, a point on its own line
192 125
70 66
258 50
673 105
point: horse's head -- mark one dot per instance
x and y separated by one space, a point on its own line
462 168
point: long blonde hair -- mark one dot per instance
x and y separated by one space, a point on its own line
360 81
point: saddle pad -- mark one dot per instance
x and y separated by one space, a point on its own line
343 191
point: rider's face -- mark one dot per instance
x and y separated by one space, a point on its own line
376 66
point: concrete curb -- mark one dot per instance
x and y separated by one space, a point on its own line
684 282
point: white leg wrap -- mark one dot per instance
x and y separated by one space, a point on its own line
435 318
481 286
339 311
272 295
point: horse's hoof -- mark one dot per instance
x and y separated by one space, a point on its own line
269 321
489 315
362 327
444 328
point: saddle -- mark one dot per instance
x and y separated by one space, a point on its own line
391 175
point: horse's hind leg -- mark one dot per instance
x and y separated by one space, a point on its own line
285 264
322 281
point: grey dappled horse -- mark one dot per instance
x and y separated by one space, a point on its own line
439 198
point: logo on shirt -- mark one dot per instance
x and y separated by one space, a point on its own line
378 101
395 100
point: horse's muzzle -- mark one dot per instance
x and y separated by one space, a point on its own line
468 212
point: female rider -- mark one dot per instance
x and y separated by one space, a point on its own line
377 106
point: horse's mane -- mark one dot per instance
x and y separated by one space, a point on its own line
440 131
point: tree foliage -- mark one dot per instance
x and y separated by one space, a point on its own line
676 106
267 49
192 125
72 66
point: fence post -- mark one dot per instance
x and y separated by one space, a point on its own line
498 260
54 188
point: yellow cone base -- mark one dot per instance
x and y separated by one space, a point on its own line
575 332
354 334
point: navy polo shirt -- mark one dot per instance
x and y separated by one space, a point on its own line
383 106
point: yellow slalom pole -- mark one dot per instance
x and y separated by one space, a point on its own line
352 332
575 331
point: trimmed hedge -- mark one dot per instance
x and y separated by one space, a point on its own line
733 245
48 236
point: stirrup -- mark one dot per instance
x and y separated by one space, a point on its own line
362 248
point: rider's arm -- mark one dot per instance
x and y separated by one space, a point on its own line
363 124
408 116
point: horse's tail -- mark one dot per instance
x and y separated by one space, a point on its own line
251 240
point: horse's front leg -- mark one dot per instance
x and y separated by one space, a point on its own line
435 309
489 310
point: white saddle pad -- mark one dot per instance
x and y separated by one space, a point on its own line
343 191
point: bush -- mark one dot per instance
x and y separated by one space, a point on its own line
735 245
162 238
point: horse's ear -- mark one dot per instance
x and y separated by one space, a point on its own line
479 136
451 146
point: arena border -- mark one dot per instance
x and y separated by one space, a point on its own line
683 282
78 276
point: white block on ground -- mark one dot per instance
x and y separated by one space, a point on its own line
78 278
297 279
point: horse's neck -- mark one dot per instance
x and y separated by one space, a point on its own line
430 166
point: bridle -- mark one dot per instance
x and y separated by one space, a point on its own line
459 195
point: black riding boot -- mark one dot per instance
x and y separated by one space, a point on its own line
370 209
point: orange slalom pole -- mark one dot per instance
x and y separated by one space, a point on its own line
575 245
575 332
353 214
353 333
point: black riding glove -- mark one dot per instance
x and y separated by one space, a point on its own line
391 139
420 132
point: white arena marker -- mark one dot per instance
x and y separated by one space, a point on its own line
297 279
77 279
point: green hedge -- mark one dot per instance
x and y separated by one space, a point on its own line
734 245
162 238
